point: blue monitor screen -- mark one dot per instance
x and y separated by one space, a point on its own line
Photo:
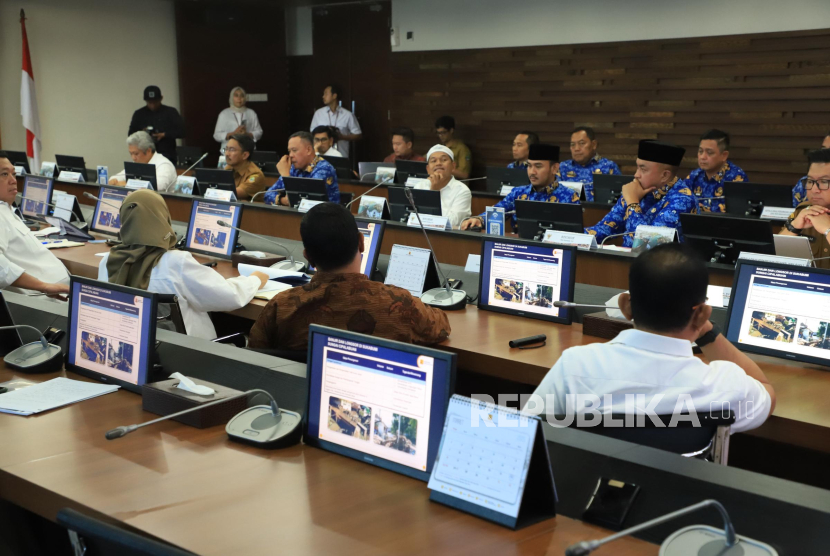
111 332
525 278
107 217
376 400
205 235
37 193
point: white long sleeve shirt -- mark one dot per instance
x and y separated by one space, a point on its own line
21 251
455 201
165 173
229 120
200 289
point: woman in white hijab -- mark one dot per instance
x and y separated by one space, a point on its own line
237 119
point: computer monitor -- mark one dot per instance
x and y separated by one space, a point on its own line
266 160
524 278
608 187
781 310
342 166
17 158
720 239
795 247
427 201
372 231
498 177
10 340
536 217
298 189
144 172
749 199
71 164
107 216
205 235
187 156
218 179
37 193
112 332
378 401
410 169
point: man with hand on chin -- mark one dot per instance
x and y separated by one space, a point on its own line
302 162
455 196
656 197
812 217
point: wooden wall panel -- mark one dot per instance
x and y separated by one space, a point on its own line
771 92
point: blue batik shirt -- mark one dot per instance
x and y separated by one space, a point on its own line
319 169
704 187
570 170
515 164
799 193
552 193
661 207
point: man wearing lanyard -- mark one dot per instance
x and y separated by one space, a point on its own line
337 118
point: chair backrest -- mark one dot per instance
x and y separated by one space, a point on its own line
346 198
92 537
170 314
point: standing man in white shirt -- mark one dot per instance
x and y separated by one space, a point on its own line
338 118
25 264
324 141
456 198
667 302
143 150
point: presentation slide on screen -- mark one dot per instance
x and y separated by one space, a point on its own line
108 217
376 401
204 232
369 231
525 278
787 310
108 338
37 195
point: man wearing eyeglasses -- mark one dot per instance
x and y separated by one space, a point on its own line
812 217
247 176
799 193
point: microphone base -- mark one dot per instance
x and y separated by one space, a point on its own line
703 540
448 301
33 358
289 266
259 427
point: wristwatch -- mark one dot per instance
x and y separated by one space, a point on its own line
709 337
789 225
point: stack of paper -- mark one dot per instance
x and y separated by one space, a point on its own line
48 395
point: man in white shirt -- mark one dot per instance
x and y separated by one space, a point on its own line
338 118
455 196
324 142
25 264
143 150
667 302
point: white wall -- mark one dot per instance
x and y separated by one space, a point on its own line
298 31
460 24
92 60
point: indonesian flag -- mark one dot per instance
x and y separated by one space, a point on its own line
28 104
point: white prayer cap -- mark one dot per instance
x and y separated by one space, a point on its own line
440 149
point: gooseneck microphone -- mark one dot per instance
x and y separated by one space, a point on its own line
36 357
255 195
291 265
384 182
602 244
194 164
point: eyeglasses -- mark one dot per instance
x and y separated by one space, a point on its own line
231 150
807 183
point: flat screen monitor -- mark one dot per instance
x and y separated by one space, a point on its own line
71 164
266 160
372 231
720 239
205 235
525 278
18 158
536 217
376 400
342 166
749 199
498 177
410 169
427 201
107 216
112 332
37 194
187 156
608 187
781 310
298 189
144 172
217 179
10 340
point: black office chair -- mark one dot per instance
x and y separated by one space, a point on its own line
169 317
346 198
709 441
91 537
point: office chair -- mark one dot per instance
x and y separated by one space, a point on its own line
169 317
91 537
346 198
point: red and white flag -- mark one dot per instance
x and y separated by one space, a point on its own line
28 104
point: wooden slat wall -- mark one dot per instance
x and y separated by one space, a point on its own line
770 91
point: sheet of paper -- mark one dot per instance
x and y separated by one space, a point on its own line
51 394
62 243
269 295
248 269
274 286
473 264
46 231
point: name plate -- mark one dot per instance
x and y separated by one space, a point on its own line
139 184
584 241
573 186
47 169
74 177
307 204
473 264
222 163
505 190
219 194
430 221
415 182
64 203
777 213
185 185
20 170
758 257
385 173
646 237
371 207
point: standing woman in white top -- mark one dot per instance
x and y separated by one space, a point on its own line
146 260
237 119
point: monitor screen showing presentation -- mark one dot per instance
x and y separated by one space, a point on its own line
526 277
408 268
781 310
205 235
111 332
372 231
107 217
376 400
36 192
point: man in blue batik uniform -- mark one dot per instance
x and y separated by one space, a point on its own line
799 193
656 197
585 161
714 169
521 148
302 162
543 162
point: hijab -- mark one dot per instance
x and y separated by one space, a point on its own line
146 234
235 108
